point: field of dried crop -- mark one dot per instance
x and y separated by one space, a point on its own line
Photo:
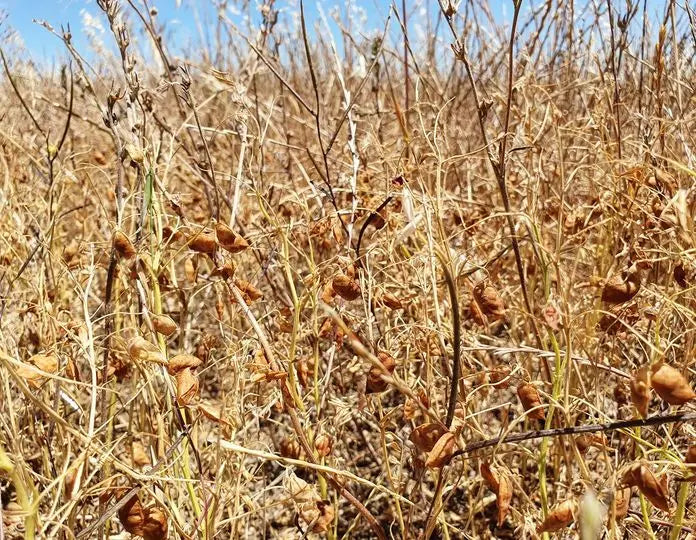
318 281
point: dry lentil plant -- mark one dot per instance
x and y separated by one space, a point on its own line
365 286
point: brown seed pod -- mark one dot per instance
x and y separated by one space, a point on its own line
499 377
249 292
426 435
671 385
346 287
390 301
489 302
640 390
560 516
190 270
328 294
155 526
620 289
375 383
171 235
640 475
499 481
228 239
139 455
164 324
123 246
442 452
584 442
290 448
182 361
213 412
142 350
132 516
691 454
529 396
187 386
622 500
323 444
202 241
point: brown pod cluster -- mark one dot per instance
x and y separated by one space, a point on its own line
150 523
499 481
375 382
346 287
228 239
529 396
640 475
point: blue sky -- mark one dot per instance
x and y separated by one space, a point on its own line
181 17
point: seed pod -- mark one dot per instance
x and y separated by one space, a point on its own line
671 385
232 242
389 300
425 436
584 442
155 526
182 361
346 287
375 383
142 350
559 516
139 455
123 246
622 500
190 270
132 516
164 324
640 475
489 302
620 289
691 454
499 481
442 452
529 396
202 241
212 412
249 292
171 235
640 390
323 444
290 448
328 294
187 386
499 377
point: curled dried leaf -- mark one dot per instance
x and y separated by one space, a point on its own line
640 475
213 413
187 386
442 452
560 516
346 287
640 390
671 385
426 435
164 324
529 396
249 292
499 481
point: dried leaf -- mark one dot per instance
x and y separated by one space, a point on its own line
202 241
249 292
671 385
499 481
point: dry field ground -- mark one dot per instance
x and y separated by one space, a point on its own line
309 283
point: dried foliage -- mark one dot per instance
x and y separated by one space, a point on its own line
312 279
